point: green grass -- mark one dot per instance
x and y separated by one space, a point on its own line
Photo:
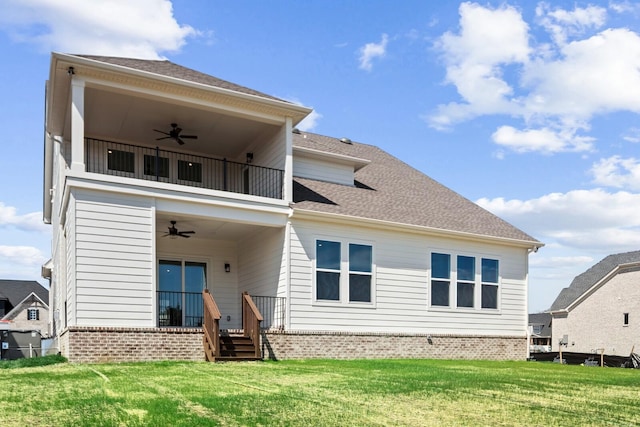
320 393
31 362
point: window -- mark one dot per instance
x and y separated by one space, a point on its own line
350 281
189 171
465 281
626 319
490 283
180 285
327 270
476 281
121 161
150 166
440 279
33 314
537 329
360 262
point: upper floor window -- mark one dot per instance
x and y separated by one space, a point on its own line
33 314
162 163
121 161
537 329
189 171
489 283
355 281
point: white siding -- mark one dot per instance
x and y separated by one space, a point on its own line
401 289
70 265
322 170
260 262
114 260
271 153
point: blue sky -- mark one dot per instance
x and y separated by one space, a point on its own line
528 108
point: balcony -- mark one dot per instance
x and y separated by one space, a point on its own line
154 164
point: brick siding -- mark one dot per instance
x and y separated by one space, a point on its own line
98 344
302 345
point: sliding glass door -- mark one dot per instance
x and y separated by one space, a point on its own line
180 285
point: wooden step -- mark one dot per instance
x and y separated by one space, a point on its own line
236 348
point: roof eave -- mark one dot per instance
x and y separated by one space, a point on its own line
533 245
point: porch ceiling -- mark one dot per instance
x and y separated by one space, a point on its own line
122 116
205 228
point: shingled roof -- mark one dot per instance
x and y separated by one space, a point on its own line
388 189
585 281
169 69
15 291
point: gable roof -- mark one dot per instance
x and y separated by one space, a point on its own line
15 291
389 190
585 281
543 319
170 69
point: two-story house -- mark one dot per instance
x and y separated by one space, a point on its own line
162 182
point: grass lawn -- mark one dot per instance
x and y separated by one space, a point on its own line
320 393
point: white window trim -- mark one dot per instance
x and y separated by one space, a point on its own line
343 300
34 310
453 283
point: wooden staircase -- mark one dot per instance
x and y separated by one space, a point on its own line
222 346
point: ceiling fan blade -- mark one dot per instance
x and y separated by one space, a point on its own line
189 136
183 235
179 141
164 137
187 232
161 131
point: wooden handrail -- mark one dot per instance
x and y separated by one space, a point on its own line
211 326
251 319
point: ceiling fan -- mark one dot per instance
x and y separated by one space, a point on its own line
173 232
175 134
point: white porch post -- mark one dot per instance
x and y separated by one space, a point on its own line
288 162
77 125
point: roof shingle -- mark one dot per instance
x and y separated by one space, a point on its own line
583 282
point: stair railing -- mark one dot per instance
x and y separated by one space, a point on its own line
251 319
211 326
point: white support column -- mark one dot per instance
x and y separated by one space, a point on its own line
288 162
77 125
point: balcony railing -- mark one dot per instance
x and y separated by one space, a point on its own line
153 164
273 311
180 309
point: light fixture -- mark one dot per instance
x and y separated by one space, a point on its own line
227 267
249 157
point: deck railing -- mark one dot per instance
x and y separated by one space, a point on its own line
211 327
251 319
179 309
273 310
154 164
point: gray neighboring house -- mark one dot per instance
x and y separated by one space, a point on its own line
599 311
24 305
539 332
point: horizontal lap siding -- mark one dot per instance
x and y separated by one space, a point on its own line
114 261
260 261
304 167
402 265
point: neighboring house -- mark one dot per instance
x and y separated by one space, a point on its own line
161 182
600 310
539 332
24 305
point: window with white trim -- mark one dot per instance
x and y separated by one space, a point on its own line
121 161
465 283
33 314
473 289
344 272
440 279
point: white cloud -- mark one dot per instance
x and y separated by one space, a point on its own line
617 172
141 28
544 140
498 69
310 122
577 220
562 24
22 255
371 51
27 222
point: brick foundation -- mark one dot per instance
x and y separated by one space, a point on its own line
101 344
339 345
98 344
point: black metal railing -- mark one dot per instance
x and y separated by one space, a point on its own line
153 164
180 309
273 310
